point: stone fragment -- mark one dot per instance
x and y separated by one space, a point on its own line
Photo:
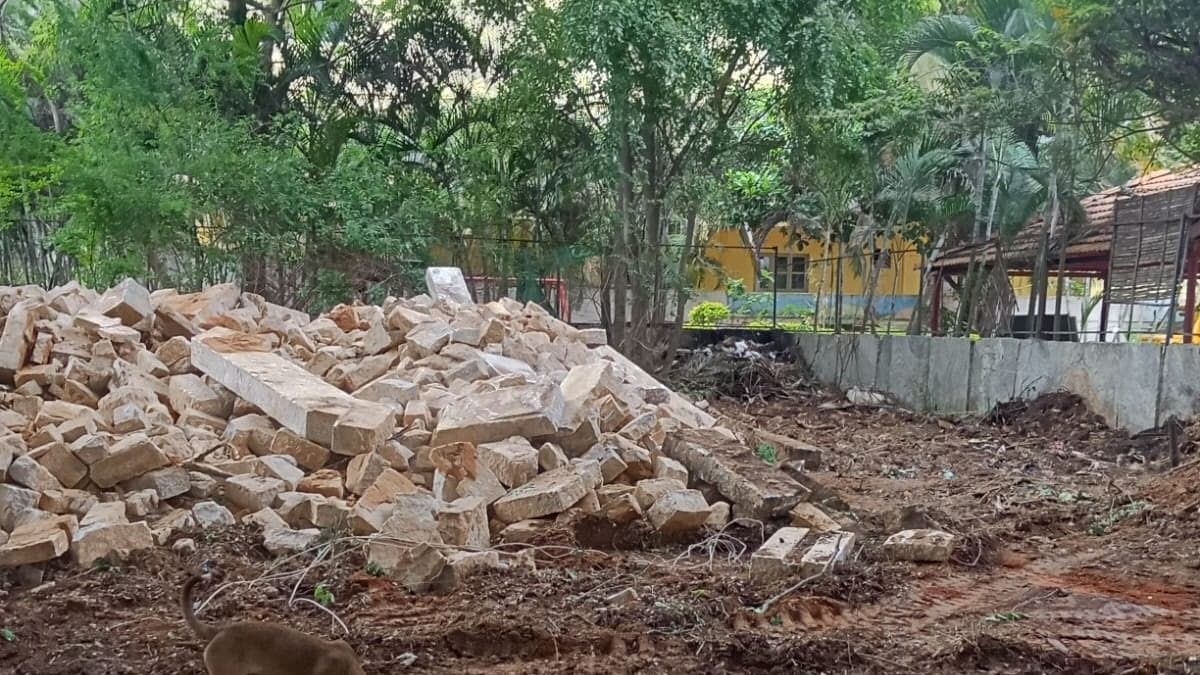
280 542
363 471
375 506
282 467
551 457
128 301
464 522
830 549
392 391
58 459
27 472
778 556
253 493
665 467
678 512
718 517
16 339
650 490
110 542
211 514
184 547
105 513
165 527
266 519
15 503
428 338
128 458
513 460
327 482
547 494
34 543
397 455
622 509
67 501
920 545
416 567
202 485
141 503
166 483
611 464
363 428
809 516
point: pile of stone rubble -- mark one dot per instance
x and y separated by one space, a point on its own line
430 426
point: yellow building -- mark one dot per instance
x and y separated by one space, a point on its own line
801 274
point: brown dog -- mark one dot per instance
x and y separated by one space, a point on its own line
250 648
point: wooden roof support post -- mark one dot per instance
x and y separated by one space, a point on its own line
935 305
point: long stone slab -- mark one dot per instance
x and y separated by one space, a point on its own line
295 398
680 408
758 490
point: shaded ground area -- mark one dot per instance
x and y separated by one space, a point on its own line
1078 554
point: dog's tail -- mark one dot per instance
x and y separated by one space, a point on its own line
202 630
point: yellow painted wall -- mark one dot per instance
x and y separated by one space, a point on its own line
725 249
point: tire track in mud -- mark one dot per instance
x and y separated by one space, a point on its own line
1061 602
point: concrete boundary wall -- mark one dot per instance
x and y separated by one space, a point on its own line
955 375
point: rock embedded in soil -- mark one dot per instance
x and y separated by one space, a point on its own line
920 545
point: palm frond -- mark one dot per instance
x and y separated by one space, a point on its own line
937 35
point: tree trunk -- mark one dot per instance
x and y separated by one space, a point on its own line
621 250
681 295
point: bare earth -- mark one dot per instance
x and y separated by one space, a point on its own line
1078 553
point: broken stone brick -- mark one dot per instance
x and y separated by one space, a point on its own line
528 411
373 509
790 449
128 458
778 557
718 517
611 464
830 549
128 301
307 454
650 490
105 513
326 482
109 542
363 471
362 429
211 514
665 467
813 518
67 501
756 489
266 519
61 463
281 542
622 509
377 339
391 391
551 457
513 460
428 338
253 493
15 502
281 467
416 567
547 494
90 448
34 544
358 375
16 339
397 455
141 503
920 545
27 472
464 522
679 511
250 433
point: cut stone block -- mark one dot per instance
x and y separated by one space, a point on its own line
678 512
756 489
718 518
447 284
167 483
513 460
265 519
665 467
373 509
189 392
790 449
363 471
528 411
363 429
34 544
611 464
547 494
128 458
622 509
61 463
830 549
417 567
110 542
307 454
920 545
392 391
428 338
253 493
67 501
282 467
105 513
778 556
292 396
327 482
551 457
15 502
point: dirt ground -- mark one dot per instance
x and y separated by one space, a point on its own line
1078 554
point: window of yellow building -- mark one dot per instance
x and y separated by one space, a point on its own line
791 273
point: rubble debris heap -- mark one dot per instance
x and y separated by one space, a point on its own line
430 424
